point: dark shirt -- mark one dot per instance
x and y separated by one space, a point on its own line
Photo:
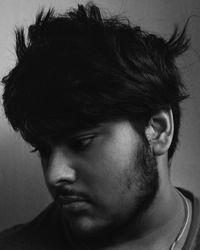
46 231
42 233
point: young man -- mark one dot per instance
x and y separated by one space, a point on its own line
99 100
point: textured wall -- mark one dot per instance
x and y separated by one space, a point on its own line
22 191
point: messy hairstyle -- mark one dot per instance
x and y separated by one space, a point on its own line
78 69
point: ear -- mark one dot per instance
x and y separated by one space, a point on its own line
160 131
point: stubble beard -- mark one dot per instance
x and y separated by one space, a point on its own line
146 181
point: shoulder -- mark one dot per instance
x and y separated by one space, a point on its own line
11 238
43 232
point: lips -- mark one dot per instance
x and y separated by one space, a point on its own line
72 200
73 204
69 199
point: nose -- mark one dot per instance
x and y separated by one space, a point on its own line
60 167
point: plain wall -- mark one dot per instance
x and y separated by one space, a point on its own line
22 190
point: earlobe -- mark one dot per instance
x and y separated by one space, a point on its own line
160 131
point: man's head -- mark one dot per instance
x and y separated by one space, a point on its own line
79 83
79 69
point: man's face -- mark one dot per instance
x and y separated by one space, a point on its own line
103 178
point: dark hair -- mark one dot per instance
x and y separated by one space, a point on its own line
78 69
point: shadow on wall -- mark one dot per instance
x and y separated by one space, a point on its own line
23 190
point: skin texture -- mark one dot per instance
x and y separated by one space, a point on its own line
115 173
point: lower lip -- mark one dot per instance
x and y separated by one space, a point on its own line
76 206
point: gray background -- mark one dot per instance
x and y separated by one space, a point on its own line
22 191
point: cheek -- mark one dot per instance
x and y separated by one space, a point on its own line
110 171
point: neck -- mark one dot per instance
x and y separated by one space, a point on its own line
158 228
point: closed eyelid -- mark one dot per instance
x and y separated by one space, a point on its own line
48 145
82 138
84 134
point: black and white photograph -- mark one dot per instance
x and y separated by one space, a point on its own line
100 125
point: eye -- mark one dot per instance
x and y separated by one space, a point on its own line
81 143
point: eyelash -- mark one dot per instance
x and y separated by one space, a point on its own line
81 143
76 144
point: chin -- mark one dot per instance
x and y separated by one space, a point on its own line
85 226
